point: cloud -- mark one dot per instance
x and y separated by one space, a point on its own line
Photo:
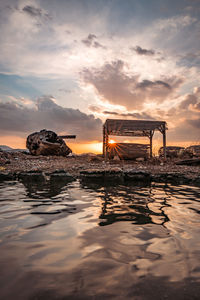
115 85
94 108
35 11
142 51
195 123
98 45
186 130
148 83
90 41
191 101
196 107
140 116
16 118
67 91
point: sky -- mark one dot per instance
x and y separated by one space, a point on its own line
68 65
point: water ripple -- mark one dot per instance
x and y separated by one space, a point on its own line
84 241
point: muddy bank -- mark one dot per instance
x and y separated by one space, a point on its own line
91 167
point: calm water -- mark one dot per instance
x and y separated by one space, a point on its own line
76 241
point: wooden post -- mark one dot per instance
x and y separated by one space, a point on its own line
164 141
106 145
151 138
104 140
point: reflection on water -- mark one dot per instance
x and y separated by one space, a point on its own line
130 203
61 240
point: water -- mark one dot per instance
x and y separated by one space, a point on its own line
76 241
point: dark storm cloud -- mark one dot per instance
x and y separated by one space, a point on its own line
142 51
117 87
140 116
47 114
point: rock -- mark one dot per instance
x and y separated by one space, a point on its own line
4 176
139 159
96 159
137 175
32 176
106 174
47 142
116 158
61 174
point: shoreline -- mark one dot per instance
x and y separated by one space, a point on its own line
18 165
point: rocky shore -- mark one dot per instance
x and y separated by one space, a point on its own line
93 167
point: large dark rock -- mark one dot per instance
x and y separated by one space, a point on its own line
46 142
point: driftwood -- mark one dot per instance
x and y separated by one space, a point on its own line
189 162
46 142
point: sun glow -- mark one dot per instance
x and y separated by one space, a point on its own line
111 142
79 148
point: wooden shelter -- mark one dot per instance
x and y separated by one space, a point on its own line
136 128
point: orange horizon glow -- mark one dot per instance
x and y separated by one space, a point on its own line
17 142
95 147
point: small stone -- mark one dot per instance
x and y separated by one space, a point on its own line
116 158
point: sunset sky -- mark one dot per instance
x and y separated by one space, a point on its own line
68 65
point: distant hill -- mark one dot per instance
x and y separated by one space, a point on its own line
5 148
9 149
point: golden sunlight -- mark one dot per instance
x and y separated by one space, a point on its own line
94 147
111 142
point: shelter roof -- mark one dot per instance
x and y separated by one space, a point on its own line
133 127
